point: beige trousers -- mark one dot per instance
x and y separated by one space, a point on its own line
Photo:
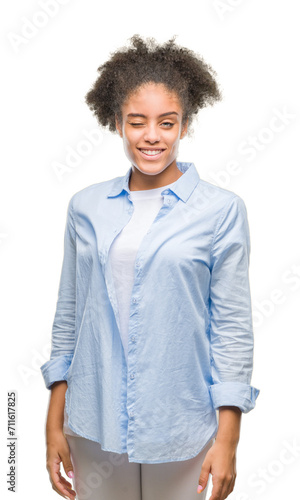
103 475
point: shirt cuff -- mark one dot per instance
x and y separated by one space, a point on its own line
55 369
234 394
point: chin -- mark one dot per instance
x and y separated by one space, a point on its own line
151 169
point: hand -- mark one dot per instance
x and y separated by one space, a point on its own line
220 461
58 450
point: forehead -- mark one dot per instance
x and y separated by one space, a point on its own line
152 96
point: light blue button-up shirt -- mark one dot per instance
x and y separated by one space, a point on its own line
190 337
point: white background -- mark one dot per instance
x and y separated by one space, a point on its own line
252 45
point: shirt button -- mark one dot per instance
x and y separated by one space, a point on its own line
131 415
132 375
133 338
134 299
138 264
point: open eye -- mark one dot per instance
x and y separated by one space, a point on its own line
166 124
169 124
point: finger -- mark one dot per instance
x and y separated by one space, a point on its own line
216 489
58 481
228 485
66 495
203 478
62 489
70 491
66 461
231 486
223 488
64 481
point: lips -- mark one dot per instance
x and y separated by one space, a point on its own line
151 151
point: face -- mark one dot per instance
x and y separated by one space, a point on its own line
152 128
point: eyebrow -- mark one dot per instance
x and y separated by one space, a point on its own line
143 116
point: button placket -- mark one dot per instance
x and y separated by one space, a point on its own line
133 327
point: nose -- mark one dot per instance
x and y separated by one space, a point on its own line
152 133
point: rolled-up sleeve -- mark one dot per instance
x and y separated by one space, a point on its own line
231 330
63 329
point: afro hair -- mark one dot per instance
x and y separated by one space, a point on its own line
178 68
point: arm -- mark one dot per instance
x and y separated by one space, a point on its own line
220 460
55 417
57 444
231 344
229 425
55 369
63 329
231 331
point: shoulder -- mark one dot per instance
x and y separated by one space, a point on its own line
215 198
92 193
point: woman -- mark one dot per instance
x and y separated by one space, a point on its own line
152 337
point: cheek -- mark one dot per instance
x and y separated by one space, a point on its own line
127 142
175 140
129 147
132 138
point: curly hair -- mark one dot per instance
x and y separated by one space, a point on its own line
178 68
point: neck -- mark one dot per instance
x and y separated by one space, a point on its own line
139 181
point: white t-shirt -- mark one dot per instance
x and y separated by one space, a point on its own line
122 255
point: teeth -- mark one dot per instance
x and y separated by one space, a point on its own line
151 152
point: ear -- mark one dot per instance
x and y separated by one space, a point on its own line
118 126
184 129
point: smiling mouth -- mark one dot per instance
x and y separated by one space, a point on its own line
151 152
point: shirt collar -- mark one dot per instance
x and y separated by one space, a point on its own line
183 187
